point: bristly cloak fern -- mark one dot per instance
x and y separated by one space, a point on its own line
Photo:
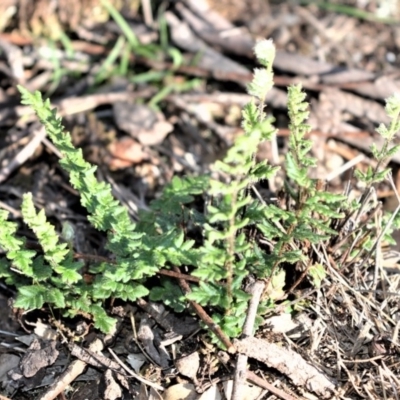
221 254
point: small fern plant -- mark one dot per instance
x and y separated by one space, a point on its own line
228 255
220 242
55 279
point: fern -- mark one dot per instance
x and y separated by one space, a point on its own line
214 245
383 155
21 259
223 261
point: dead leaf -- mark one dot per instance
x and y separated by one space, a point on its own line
156 135
141 122
125 152
281 323
181 391
189 365
40 354
136 360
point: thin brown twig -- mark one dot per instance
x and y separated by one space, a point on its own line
253 378
206 318
178 275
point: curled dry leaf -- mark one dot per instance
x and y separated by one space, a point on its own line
40 354
124 153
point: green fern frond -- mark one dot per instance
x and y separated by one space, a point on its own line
20 258
54 251
298 160
105 212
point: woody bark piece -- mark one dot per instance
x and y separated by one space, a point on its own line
287 362
208 58
41 353
216 30
112 390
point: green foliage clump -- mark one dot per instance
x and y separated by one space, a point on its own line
236 235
